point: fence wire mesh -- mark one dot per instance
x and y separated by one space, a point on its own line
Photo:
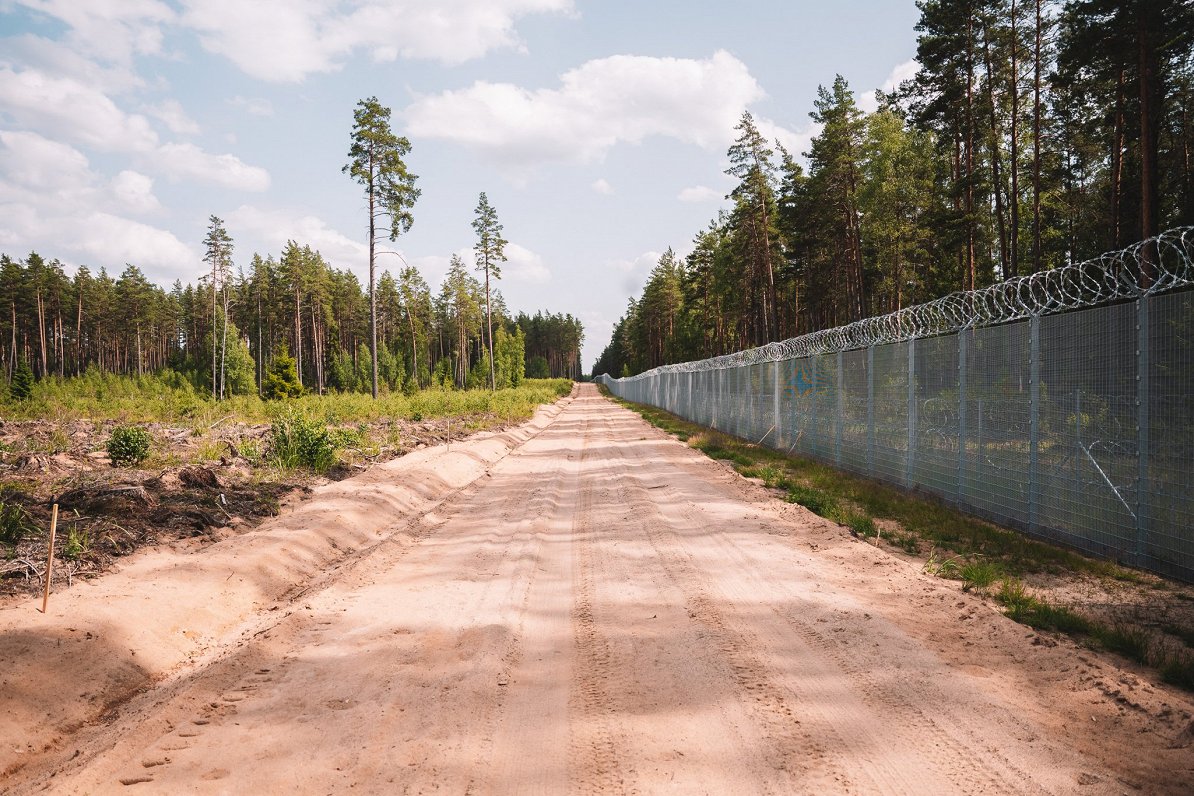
1032 405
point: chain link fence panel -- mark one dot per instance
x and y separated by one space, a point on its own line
1073 423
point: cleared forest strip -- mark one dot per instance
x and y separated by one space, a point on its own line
66 669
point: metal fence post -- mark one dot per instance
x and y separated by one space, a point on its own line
910 457
775 405
840 424
1034 419
870 411
749 397
961 415
1142 421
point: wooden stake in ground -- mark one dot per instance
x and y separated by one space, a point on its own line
45 597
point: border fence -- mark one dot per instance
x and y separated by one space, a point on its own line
1058 403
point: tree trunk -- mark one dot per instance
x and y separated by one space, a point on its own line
1149 115
1014 199
970 241
372 257
1117 164
1036 143
996 160
414 348
489 322
41 333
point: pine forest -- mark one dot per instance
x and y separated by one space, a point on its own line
1034 134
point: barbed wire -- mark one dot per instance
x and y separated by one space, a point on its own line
1152 266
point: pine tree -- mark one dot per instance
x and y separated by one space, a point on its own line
218 254
490 251
22 381
376 163
281 380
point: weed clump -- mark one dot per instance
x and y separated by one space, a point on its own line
128 445
299 442
14 525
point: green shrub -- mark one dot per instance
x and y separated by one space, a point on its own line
128 445
980 574
78 542
299 442
14 524
281 380
22 381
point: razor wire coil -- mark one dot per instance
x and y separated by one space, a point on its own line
1155 265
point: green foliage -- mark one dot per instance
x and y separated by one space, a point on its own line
1035 612
297 441
537 368
281 379
980 574
364 369
22 381
14 524
341 373
390 370
78 542
128 445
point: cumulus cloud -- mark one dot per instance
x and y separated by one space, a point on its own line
635 270
524 265
48 188
61 59
187 161
310 36
134 191
113 30
274 227
699 193
75 111
603 187
899 73
31 163
620 99
114 240
170 112
253 106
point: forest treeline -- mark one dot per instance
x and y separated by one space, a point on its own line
295 303
1034 135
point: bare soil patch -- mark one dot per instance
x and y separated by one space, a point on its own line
581 605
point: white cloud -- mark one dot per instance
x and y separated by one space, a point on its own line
634 271
50 200
135 192
170 112
253 106
620 99
308 36
899 73
112 30
112 241
29 162
524 265
797 142
603 187
187 161
67 108
274 227
58 58
699 193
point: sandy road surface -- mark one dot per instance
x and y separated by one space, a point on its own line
606 611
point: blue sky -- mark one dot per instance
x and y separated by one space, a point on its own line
597 129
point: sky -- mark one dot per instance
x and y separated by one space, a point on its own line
597 128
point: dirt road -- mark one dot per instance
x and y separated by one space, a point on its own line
603 610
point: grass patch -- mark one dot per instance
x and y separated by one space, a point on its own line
978 575
168 397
